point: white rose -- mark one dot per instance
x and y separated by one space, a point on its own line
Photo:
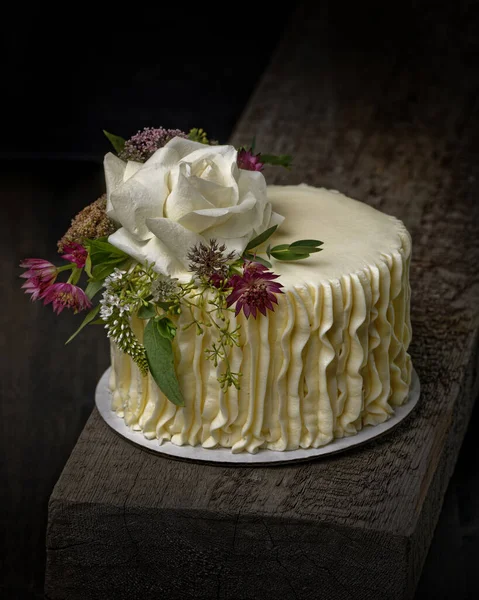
186 193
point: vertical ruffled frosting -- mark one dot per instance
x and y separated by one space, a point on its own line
330 359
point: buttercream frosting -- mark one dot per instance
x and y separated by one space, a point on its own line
329 360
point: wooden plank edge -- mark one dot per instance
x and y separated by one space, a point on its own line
421 534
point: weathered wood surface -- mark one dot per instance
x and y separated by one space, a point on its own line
397 130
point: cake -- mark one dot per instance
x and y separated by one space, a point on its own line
329 360
231 324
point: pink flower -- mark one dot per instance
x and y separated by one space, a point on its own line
65 295
248 161
75 253
40 275
145 143
254 290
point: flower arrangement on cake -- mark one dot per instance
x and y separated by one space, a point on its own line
177 232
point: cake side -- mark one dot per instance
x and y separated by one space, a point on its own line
330 359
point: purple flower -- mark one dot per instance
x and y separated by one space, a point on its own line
248 161
145 143
65 295
75 253
40 275
254 290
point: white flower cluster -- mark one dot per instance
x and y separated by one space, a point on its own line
116 311
120 332
112 300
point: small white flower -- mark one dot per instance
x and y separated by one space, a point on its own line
105 312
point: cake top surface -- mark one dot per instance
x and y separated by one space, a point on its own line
355 235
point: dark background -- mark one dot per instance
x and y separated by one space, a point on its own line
67 76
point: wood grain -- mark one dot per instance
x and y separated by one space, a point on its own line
397 130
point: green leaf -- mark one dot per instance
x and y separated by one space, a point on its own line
307 243
166 328
258 259
88 319
101 245
102 258
146 312
285 252
117 142
93 288
261 238
286 255
253 145
87 242
101 271
75 276
281 160
279 248
88 265
159 354
304 249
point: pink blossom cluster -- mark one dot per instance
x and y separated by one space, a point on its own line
41 277
146 142
248 161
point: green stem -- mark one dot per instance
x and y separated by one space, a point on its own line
75 275
66 267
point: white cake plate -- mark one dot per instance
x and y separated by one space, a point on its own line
224 456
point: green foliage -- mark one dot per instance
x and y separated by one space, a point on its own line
146 312
258 259
198 135
101 249
296 251
281 160
101 272
166 328
88 319
103 258
93 288
116 141
159 354
261 238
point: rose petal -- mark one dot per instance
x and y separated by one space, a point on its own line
184 197
177 239
151 251
219 195
114 170
276 219
222 221
198 151
232 244
243 219
132 166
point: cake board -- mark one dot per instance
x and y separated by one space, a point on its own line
264 457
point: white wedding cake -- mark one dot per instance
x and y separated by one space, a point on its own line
331 358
